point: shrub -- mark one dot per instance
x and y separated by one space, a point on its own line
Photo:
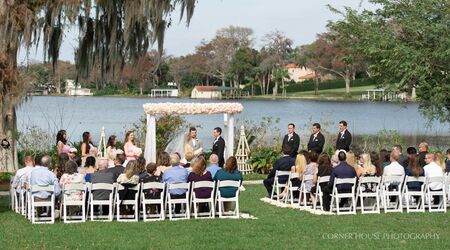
262 159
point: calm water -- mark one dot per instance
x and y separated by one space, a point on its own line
116 114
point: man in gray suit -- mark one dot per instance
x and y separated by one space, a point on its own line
102 175
193 143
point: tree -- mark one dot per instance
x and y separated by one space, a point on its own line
244 60
407 48
110 32
279 49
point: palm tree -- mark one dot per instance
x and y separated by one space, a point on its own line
109 32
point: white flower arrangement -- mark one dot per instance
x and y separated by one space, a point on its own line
192 108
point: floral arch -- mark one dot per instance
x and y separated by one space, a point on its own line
153 109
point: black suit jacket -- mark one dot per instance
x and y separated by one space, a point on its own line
218 149
316 144
343 170
343 142
283 164
293 143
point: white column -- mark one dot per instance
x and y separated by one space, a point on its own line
150 139
230 136
225 134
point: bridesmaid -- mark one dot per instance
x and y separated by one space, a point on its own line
130 148
87 148
61 142
111 150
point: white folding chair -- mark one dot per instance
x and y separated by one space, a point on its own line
410 195
101 203
24 201
47 203
161 187
388 191
363 194
134 202
291 189
66 202
430 193
195 201
171 202
336 196
277 186
220 199
447 188
319 192
303 192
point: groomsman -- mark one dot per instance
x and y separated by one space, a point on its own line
219 145
316 140
292 140
344 137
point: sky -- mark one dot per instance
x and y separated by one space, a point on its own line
300 20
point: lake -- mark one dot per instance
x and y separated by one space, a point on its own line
117 114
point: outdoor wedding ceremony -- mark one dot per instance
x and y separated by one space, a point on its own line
192 124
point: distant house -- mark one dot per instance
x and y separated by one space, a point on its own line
206 92
164 93
76 90
300 74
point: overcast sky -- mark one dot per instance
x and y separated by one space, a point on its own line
300 20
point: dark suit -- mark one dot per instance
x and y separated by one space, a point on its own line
293 142
343 170
116 171
344 141
283 164
316 144
102 176
218 149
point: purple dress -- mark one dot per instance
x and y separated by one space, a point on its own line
201 192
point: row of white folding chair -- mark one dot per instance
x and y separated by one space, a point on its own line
48 203
336 196
67 201
277 185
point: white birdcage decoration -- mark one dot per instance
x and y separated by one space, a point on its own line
242 154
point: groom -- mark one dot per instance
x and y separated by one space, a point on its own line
219 145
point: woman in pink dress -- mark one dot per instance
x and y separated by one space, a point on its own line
61 142
130 148
111 150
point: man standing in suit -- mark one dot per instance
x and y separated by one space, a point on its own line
292 140
283 164
344 137
316 140
219 145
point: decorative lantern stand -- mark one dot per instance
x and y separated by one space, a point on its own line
102 144
242 154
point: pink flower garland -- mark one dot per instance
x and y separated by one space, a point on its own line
192 108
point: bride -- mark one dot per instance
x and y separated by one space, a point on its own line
186 142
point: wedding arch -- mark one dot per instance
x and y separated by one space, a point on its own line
153 109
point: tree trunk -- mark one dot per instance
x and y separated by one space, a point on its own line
347 81
268 83
316 86
223 81
283 86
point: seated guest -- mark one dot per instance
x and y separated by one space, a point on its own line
71 176
163 163
384 158
142 172
415 170
151 177
19 178
128 178
228 173
58 169
118 166
439 160
447 165
311 169
285 163
335 159
102 175
188 157
42 176
375 160
403 160
89 168
324 169
342 170
366 168
299 168
79 161
199 173
213 164
173 175
351 160
433 170
423 150
394 169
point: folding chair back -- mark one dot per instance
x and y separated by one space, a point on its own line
67 201
132 202
291 189
220 199
43 203
337 195
369 191
101 203
432 195
392 189
277 185
182 201
195 201
303 191
150 203
414 198
319 191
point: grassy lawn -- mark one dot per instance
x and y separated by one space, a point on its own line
275 228
355 93
254 176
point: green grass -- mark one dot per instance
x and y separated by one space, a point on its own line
254 176
275 228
